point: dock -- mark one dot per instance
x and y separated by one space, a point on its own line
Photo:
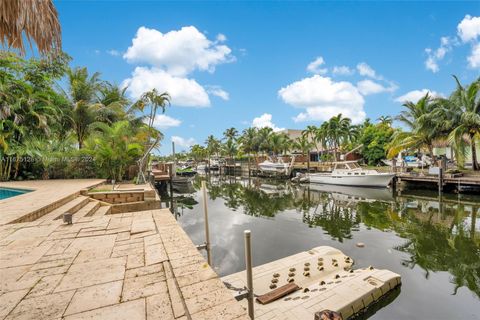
105 265
326 279
449 181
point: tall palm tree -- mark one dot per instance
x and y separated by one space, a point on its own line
154 100
249 143
311 132
82 93
338 130
466 101
230 133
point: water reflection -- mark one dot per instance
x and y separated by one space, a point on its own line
433 235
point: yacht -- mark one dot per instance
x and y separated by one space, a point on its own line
277 167
349 173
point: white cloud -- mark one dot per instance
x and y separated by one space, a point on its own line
342 70
323 98
325 113
113 52
221 37
265 120
434 56
163 121
219 92
367 71
184 92
314 66
469 28
367 87
416 95
474 58
183 142
179 52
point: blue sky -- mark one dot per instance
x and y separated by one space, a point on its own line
279 64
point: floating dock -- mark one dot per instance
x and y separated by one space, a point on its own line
325 279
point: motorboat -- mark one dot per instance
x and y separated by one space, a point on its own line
349 173
279 166
409 162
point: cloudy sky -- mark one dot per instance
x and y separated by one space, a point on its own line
276 64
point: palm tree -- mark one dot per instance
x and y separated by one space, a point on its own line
311 132
82 93
304 146
35 20
424 127
264 138
114 148
213 147
249 142
230 133
386 120
466 102
154 100
338 130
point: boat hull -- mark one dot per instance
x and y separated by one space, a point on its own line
377 180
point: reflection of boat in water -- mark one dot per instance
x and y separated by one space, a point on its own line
182 184
272 189
349 173
358 194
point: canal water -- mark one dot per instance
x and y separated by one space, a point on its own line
434 244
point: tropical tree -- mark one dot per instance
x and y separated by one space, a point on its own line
213 147
82 93
154 100
249 143
304 146
424 127
465 102
114 148
386 120
230 134
312 132
338 130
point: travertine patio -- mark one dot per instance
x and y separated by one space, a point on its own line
137 265
46 193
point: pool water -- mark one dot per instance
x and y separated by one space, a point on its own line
9 192
432 242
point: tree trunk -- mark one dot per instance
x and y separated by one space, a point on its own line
430 150
475 165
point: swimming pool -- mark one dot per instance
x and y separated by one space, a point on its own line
10 192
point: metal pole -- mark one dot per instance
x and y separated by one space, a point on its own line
207 231
440 180
248 265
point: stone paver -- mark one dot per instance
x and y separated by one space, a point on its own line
45 193
138 265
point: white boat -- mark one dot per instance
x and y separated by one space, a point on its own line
276 167
409 162
349 173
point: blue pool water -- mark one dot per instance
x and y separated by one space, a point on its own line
8 192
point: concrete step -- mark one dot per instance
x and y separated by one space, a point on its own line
71 206
88 210
103 210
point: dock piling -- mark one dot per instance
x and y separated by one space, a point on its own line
248 265
207 231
